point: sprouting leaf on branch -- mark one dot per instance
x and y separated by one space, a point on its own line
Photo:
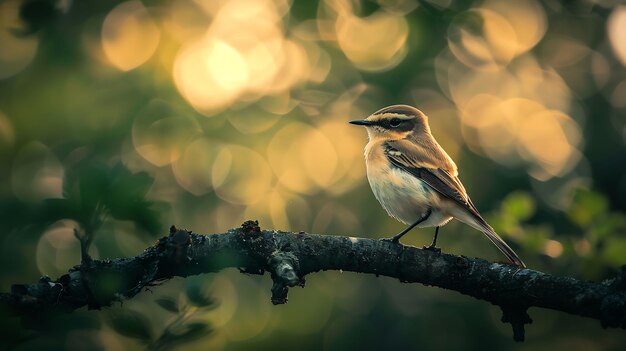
197 296
131 324
92 193
98 190
168 304
184 327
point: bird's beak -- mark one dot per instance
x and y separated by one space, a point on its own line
362 122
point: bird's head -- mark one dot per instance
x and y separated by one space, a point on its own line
394 123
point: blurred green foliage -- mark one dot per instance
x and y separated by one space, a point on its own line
183 327
92 192
117 118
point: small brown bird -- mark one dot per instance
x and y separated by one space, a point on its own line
414 179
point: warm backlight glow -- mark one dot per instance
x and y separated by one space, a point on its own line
160 135
227 67
240 175
375 43
238 110
488 38
17 51
616 28
553 248
193 168
36 173
129 35
244 54
7 133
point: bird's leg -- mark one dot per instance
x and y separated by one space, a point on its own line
433 246
396 238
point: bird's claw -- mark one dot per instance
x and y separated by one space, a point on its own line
432 248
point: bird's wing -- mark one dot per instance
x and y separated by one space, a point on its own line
436 170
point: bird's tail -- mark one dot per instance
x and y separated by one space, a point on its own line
501 245
476 221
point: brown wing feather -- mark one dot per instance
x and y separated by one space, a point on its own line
435 170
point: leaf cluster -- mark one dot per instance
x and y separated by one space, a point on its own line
185 326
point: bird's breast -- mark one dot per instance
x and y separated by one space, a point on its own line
401 194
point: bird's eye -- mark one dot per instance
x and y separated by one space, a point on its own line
395 122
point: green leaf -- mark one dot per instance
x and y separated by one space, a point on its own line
586 207
131 324
85 187
168 304
131 185
519 205
93 184
146 214
126 199
127 187
94 190
197 296
611 224
535 238
614 251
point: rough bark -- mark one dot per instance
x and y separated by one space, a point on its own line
289 257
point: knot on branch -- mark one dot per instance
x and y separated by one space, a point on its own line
517 317
284 269
177 245
258 247
250 228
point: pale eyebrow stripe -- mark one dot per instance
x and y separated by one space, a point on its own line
401 110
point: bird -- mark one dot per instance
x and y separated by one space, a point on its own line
415 180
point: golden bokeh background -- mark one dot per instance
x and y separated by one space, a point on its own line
238 110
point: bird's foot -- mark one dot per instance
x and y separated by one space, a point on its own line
432 248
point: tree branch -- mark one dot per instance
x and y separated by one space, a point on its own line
289 257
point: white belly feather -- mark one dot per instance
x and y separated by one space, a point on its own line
404 196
